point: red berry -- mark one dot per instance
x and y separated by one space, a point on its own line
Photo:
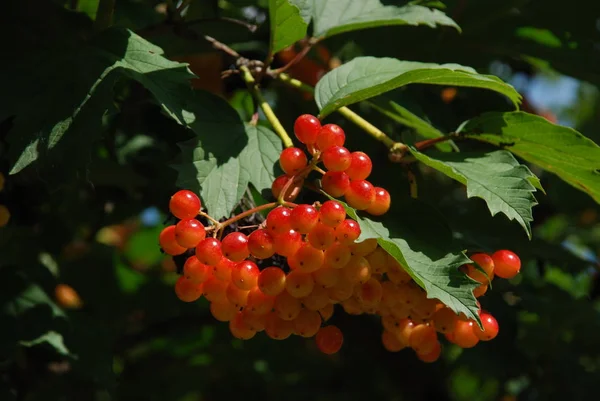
304 218
431 356
292 191
360 195
245 275
322 236
236 296
307 129
260 244
423 339
337 255
329 339
307 259
484 261
299 284
506 264
335 183
222 270
307 323
209 251
360 166
259 303
196 271
292 160
278 220
490 327
271 281
189 233
168 242
287 243
214 289
185 204
330 135
381 204
235 246
444 320
464 335
332 213
336 158
186 290
347 232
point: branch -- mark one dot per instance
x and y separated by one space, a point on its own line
267 110
430 142
298 57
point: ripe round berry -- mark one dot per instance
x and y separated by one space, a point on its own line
317 299
307 259
329 339
271 281
369 293
209 251
277 328
391 342
464 335
189 233
214 289
260 244
278 220
259 303
357 270
347 232
405 328
360 166
185 204
168 242
66 296
337 255
336 158
360 194
321 237
327 277
292 160
330 135
239 329
299 284
332 213
307 323
235 246
307 129
245 275
341 291
431 356
304 218
186 290
326 312
378 260
286 244
364 248
223 311
254 321
506 264
196 271
444 320
286 306
381 204
291 193
236 296
423 339
335 183
484 261
222 270
490 327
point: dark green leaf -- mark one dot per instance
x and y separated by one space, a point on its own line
560 150
366 77
52 338
496 177
332 17
287 23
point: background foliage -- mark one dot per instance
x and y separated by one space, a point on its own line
98 128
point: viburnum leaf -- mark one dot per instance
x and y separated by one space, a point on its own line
366 77
332 17
557 149
225 155
417 237
52 338
49 126
496 177
288 25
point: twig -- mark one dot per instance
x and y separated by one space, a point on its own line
298 57
430 142
222 46
267 110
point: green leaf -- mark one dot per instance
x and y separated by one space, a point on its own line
52 338
287 24
417 237
366 77
225 156
84 75
402 115
496 177
559 150
332 17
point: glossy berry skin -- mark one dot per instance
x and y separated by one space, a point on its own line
307 323
335 183
464 335
306 129
336 158
444 320
307 259
235 246
271 281
332 213
245 275
330 135
209 251
279 221
484 261
292 160
337 255
261 244
506 264
222 270
196 271
422 339
286 244
304 218
186 290
360 195
168 242
360 166
321 237
347 232
185 204
299 284
431 356
391 342
329 339
381 204
189 233
490 327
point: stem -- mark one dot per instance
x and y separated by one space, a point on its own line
104 14
246 214
430 142
215 222
350 115
298 57
267 110
319 169
222 47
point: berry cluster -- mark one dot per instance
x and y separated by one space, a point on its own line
4 212
346 174
248 286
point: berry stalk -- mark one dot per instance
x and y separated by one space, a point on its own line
262 103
